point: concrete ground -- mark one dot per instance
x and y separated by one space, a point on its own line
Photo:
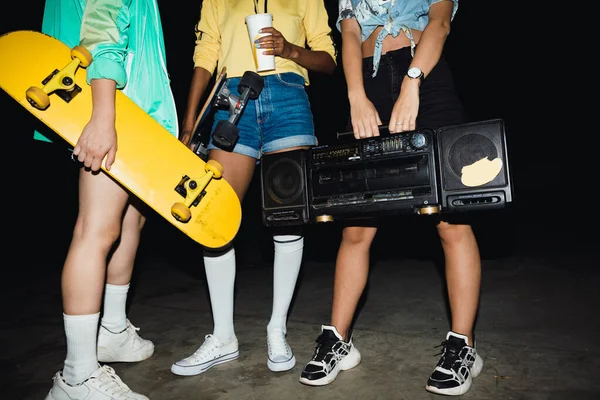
538 326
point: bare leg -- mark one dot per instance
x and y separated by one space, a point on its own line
118 277
463 275
351 274
238 169
120 266
463 278
101 206
118 340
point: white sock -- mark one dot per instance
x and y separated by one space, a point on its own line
220 275
286 266
114 317
82 359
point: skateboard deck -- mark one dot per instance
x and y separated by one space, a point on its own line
211 101
48 78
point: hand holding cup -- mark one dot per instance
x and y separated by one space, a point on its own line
273 43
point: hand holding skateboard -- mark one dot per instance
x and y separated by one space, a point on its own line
99 137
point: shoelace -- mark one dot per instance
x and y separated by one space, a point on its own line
210 342
134 333
135 328
277 343
449 355
110 382
324 346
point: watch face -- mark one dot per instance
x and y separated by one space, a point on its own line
414 72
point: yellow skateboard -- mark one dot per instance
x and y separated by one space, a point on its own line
48 78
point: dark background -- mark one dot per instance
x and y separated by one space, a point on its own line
504 67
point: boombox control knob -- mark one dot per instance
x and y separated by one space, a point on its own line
418 140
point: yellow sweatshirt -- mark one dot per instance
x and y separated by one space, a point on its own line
222 36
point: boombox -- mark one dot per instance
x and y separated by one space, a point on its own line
460 168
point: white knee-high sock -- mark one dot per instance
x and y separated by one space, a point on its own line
220 275
286 266
114 317
82 359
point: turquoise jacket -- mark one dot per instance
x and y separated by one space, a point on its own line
125 38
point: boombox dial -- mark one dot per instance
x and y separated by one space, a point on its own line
418 140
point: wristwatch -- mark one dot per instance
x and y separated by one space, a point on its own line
415 73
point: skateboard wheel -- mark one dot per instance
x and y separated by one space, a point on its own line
225 135
82 54
37 98
181 212
254 82
215 167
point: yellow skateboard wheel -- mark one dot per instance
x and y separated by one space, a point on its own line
82 54
37 98
215 167
181 212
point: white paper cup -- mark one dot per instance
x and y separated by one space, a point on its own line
255 23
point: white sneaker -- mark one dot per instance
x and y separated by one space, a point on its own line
281 357
126 346
103 384
211 353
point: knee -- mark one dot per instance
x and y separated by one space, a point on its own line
288 243
103 234
454 233
358 236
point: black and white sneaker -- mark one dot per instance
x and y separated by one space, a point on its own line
332 355
457 367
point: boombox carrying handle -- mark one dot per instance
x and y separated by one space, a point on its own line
350 134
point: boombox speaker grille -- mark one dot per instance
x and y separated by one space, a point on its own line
284 183
284 194
464 145
473 165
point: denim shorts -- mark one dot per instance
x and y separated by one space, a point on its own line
439 103
279 119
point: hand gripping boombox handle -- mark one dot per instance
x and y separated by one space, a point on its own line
383 131
225 134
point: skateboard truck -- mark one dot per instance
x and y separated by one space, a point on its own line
61 82
192 190
225 134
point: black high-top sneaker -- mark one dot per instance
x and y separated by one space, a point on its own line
332 355
457 367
